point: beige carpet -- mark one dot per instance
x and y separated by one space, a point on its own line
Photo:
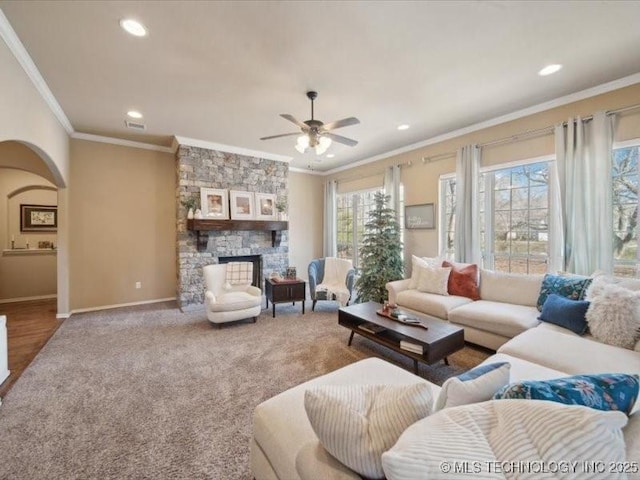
149 392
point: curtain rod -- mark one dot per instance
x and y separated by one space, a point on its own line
513 138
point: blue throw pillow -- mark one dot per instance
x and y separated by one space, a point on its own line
606 391
568 286
565 312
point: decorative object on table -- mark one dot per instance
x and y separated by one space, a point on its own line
190 204
291 273
420 216
38 218
45 244
242 205
214 203
265 206
381 252
198 214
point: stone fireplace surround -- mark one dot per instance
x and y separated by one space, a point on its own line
199 167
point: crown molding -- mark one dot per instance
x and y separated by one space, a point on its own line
193 142
119 141
541 107
307 171
24 59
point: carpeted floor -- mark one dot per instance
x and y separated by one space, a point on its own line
149 392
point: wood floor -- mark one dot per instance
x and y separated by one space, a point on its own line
30 325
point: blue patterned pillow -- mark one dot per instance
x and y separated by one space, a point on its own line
572 286
605 391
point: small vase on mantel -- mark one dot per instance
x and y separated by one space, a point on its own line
190 214
198 214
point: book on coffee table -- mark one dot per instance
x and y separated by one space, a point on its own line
411 347
371 327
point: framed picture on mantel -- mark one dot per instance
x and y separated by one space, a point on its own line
214 203
38 218
242 205
265 206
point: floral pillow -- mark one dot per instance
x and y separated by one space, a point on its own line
572 287
605 391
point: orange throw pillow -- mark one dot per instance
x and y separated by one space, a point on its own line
463 280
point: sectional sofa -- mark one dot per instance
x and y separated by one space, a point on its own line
284 445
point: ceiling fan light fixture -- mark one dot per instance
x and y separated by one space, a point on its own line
302 144
323 144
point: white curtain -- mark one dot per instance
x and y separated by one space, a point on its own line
330 242
392 188
467 233
583 157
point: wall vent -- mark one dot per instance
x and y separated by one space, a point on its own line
134 125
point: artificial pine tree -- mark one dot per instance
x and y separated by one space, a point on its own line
380 252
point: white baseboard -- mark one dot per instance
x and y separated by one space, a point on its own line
118 305
26 299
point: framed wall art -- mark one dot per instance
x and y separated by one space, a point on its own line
214 203
420 216
38 218
242 205
265 206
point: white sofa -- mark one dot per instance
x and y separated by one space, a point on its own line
285 447
506 309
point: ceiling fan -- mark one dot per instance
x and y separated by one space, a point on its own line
316 134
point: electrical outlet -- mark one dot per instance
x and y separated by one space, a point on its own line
138 284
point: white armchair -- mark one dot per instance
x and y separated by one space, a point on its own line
228 303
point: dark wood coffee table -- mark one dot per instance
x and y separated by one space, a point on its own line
438 341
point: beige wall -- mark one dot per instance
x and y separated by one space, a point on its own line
122 224
28 274
25 117
421 180
306 206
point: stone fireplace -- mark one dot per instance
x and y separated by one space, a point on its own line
200 167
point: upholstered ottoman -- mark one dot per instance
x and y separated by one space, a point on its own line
282 432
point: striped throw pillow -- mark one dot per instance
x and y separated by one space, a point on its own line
357 423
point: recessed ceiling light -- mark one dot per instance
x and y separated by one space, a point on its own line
403 127
331 155
549 69
133 27
134 114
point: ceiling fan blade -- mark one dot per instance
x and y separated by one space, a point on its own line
281 135
341 139
345 122
293 119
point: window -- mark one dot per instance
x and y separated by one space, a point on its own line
624 175
447 215
514 210
352 214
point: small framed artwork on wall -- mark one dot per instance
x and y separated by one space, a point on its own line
242 205
419 216
214 203
265 206
38 218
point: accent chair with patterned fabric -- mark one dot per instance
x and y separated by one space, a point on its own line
317 278
230 295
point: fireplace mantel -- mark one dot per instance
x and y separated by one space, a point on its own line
203 227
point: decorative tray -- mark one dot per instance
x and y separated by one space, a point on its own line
402 317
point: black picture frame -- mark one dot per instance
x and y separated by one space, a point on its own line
421 216
38 218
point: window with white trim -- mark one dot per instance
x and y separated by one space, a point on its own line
624 177
447 215
514 211
352 213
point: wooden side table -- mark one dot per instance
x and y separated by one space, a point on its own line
285 291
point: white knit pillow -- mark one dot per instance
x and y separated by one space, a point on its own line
357 423
434 280
421 262
512 431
